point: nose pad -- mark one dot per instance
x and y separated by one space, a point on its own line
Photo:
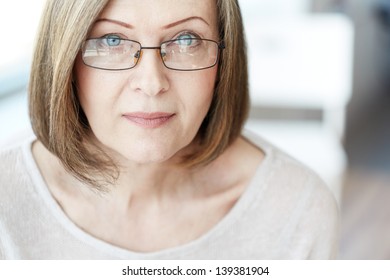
163 55
138 56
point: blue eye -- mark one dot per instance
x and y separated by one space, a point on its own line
185 39
112 40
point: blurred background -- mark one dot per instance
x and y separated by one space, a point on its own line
319 82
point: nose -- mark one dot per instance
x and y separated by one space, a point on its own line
149 76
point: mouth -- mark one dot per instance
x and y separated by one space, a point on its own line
149 120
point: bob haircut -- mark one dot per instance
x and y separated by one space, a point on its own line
57 117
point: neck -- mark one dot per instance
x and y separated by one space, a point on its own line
155 180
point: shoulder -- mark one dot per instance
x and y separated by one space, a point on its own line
298 201
14 167
285 171
10 162
289 177
11 149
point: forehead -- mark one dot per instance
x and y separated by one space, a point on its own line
157 13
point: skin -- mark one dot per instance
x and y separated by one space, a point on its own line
154 204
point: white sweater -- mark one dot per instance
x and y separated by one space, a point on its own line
286 212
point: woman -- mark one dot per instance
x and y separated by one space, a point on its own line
137 109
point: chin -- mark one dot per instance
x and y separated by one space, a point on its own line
147 152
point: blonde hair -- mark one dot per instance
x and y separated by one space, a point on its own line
59 122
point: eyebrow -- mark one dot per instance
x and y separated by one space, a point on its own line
129 26
124 24
185 20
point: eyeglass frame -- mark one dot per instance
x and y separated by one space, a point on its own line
221 46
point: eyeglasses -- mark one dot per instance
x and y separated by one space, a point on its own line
184 54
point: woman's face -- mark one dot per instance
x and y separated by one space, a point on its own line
149 113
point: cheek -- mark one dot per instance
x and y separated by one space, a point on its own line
200 91
202 82
92 90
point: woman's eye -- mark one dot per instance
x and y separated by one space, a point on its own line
112 40
186 39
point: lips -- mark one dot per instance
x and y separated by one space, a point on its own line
149 120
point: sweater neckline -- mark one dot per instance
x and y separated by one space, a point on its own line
256 186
